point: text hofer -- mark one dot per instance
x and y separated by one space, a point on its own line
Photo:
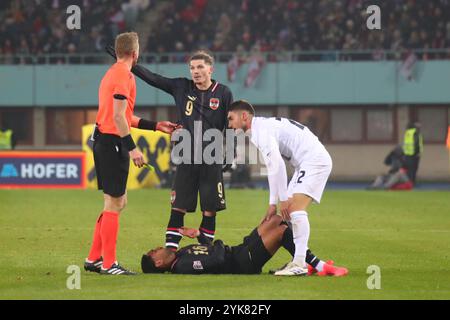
49 170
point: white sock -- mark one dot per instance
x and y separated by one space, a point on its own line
319 266
300 230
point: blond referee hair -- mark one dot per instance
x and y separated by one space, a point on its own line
126 43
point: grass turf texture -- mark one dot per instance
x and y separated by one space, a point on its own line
407 234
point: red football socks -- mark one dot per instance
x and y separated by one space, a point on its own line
96 248
108 232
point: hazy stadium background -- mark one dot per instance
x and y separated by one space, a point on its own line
358 101
318 63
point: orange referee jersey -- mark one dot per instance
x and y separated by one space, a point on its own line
117 80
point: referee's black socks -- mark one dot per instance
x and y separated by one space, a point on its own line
173 236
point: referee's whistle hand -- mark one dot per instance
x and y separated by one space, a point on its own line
137 157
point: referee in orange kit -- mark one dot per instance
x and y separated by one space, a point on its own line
113 148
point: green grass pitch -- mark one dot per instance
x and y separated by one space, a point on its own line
406 234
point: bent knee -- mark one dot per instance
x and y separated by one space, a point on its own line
274 221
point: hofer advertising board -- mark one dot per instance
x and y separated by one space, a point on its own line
31 169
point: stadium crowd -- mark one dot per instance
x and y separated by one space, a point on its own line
39 26
308 25
230 25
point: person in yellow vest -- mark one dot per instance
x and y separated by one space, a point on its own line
412 148
6 139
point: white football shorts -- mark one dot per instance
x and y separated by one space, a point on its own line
311 177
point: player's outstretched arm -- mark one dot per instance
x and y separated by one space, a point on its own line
155 80
167 126
111 51
163 126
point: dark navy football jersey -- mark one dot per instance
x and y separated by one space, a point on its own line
210 106
208 258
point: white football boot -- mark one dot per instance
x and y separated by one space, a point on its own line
292 269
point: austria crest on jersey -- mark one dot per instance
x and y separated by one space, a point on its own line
214 103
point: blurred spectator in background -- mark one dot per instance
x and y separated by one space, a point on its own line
131 11
412 148
397 177
180 53
408 65
256 63
234 64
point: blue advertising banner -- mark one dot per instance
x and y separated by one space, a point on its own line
42 169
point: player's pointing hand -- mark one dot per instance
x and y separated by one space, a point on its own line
167 126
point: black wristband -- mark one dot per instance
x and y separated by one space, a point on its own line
147 125
120 97
128 142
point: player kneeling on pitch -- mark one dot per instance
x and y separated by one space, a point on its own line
279 138
246 258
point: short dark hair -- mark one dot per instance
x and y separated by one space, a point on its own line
242 105
148 265
202 55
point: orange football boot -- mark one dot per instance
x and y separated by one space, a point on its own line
331 270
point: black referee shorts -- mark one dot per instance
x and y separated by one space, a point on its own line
112 163
194 179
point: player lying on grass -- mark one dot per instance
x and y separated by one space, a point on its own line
247 258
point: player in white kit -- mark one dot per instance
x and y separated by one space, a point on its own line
278 138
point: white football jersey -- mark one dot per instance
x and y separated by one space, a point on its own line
279 138
295 141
